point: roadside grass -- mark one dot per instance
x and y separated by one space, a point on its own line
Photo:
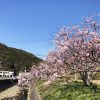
69 91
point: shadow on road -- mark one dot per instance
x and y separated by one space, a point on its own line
4 84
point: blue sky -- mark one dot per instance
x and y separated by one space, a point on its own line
30 24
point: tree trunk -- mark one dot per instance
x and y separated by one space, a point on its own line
86 77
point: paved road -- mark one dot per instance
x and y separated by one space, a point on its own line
33 94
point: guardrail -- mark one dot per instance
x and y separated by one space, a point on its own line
8 78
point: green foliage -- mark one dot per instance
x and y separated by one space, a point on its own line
70 91
12 58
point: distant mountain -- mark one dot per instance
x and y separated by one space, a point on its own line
16 59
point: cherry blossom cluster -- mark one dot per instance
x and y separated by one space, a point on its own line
24 79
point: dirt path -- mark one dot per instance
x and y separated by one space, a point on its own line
10 92
93 81
96 81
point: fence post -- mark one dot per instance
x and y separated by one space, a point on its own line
24 94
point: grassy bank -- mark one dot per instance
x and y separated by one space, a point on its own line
70 91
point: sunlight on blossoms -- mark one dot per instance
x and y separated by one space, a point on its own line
77 49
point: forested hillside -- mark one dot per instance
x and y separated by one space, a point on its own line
16 59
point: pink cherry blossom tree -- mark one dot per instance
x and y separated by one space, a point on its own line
77 49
